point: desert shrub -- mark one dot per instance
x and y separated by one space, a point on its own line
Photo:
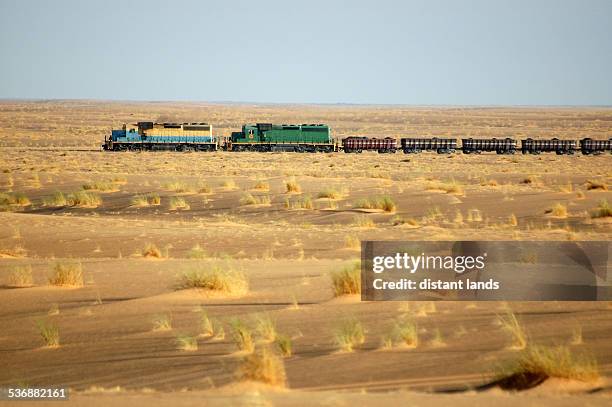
249 199
140 200
405 331
263 366
242 335
538 363
214 279
347 280
67 274
450 187
330 193
49 333
352 242
348 334
15 199
179 187
21 276
102 186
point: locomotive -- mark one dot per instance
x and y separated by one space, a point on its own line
266 137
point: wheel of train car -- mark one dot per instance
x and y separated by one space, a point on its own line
359 151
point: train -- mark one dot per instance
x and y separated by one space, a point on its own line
313 138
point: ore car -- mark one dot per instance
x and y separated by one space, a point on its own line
531 146
439 145
359 144
589 146
500 146
283 137
162 136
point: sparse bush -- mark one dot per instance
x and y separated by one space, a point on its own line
162 322
538 363
50 333
187 343
21 276
16 199
263 366
102 186
206 325
214 279
352 242
179 187
406 332
67 274
349 334
450 187
347 280
140 201
529 180
150 250
242 335
511 324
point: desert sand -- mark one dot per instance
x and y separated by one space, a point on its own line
150 217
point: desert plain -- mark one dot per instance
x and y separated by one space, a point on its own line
137 228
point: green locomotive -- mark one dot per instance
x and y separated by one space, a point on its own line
283 137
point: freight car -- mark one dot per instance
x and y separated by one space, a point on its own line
285 137
589 146
162 136
500 146
359 144
439 145
531 146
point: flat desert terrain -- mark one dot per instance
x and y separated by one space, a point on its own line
100 253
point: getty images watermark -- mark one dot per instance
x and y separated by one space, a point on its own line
481 270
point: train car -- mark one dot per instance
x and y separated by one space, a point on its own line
439 145
589 146
283 137
500 146
162 136
359 144
531 146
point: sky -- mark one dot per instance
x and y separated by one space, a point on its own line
436 52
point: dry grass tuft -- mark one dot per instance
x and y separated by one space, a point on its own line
12 201
58 199
178 202
558 210
292 186
162 322
197 252
363 221
261 185
347 280
186 343
511 324
102 186
284 345
214 279
150 250
265 327
249 199
603 210
141 200
348 334
450 187
242 335
538 363
21 276
83 199
67 274
50 333
263 366
384 203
